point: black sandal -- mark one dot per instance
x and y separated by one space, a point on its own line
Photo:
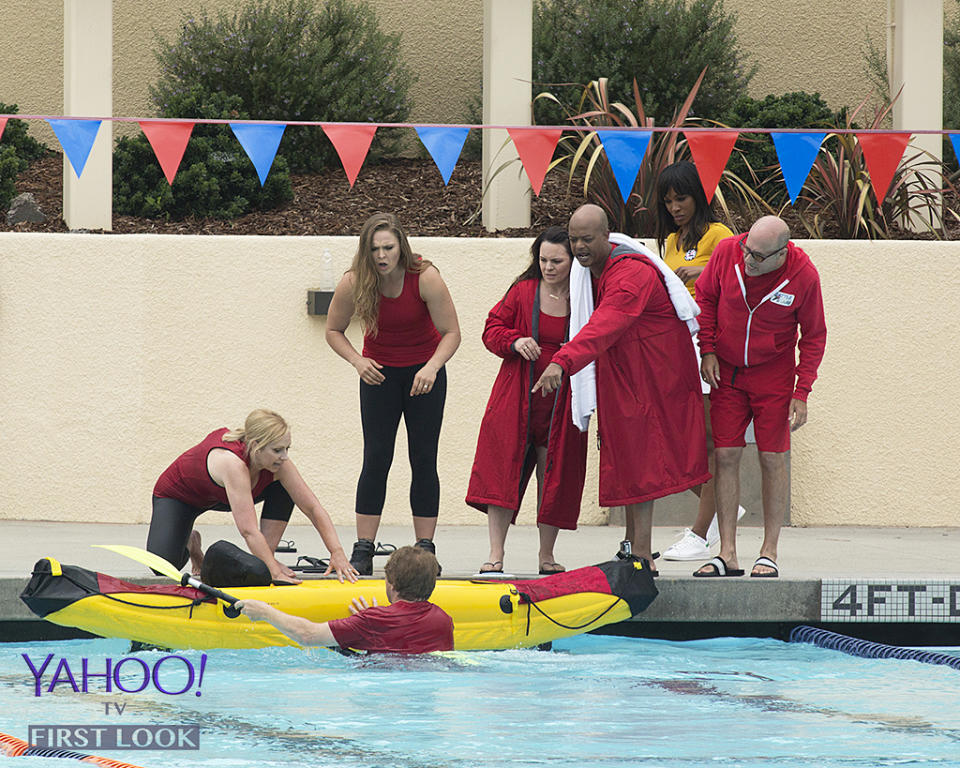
314 565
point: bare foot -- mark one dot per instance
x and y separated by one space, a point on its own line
196 553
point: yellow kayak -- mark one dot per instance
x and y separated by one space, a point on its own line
486 614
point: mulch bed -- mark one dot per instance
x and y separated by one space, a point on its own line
324 204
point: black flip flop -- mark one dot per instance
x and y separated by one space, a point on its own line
286 546
720 569
314 565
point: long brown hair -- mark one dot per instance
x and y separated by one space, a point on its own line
366 279
552 234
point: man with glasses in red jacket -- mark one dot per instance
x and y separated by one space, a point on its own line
755 293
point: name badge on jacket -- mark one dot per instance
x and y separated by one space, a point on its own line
783 299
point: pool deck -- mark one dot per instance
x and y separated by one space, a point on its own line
898 585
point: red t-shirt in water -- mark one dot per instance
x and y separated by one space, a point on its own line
401 627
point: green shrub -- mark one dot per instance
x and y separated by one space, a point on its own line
756 154
17 150
287 60
10 167
216 178
664 44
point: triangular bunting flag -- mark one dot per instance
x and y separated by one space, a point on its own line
260 141
3 125
955 141
352 143
444 145
796 153
169 142
882 153
711 150
535 147
625 151
76 137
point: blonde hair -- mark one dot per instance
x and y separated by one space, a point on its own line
261 428
366 279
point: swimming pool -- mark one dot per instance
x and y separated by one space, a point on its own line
593 702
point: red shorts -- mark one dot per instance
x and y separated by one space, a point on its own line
762 393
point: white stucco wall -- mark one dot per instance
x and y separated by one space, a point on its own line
119 352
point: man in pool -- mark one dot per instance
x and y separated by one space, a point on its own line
650 409
409 624
755 293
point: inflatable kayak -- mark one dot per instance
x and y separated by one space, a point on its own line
486 614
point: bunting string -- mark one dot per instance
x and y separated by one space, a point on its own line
624 146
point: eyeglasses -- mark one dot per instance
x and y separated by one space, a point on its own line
756 255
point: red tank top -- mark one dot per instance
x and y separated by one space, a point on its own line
188 480
405 333
553 331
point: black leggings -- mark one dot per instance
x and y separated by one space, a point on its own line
380 409
173 520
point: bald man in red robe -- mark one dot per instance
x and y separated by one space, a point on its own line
649 403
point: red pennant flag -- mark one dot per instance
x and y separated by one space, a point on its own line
352 143
3 125
882 153
535 147
169 142
711 150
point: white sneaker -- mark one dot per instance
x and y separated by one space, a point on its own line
689 547
713 532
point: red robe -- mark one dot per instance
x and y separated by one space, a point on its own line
504 460
649 404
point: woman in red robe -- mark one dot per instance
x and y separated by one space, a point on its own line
521 431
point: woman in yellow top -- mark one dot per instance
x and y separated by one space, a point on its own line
687 233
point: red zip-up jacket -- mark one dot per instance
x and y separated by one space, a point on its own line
745 336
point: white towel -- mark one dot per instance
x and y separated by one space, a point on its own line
687 309
583 384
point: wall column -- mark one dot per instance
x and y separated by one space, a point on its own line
917 53
507 72
88 91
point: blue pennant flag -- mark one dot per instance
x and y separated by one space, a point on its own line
625 151
76 137
955 141
444 145
260 141
796 153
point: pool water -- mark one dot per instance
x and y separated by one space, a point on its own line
592 702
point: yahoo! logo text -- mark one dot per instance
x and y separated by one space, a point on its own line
129 675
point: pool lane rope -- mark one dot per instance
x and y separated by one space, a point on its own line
14 747
824 638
